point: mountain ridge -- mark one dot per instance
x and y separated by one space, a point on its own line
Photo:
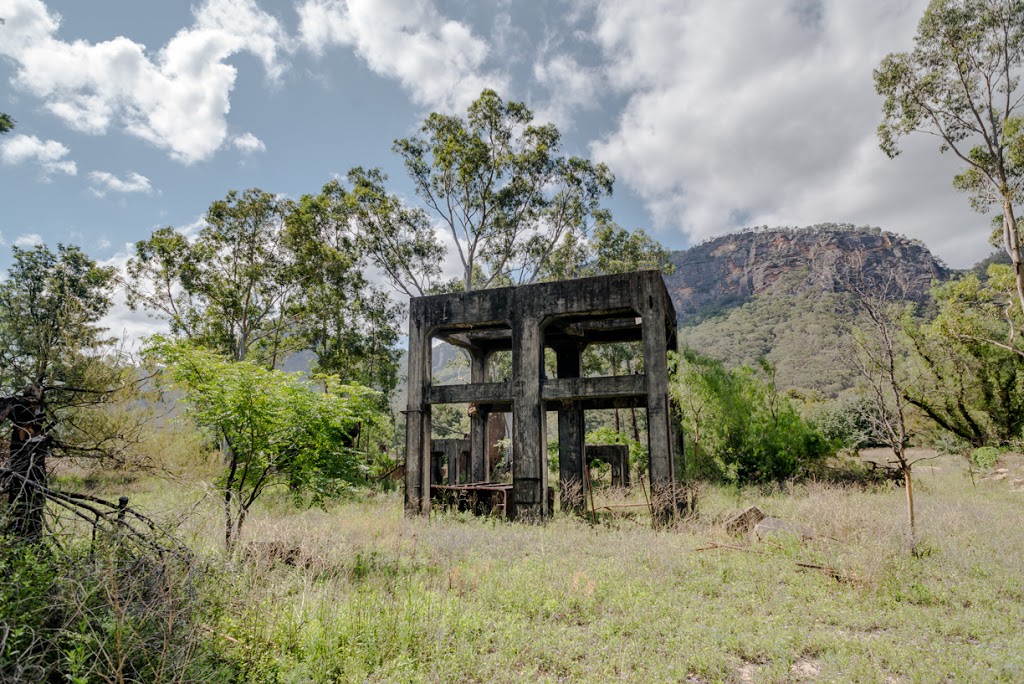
729 270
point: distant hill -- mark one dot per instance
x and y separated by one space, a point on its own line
729 270
780 294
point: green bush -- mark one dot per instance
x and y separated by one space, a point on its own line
91 613
845 421
739 428
985 457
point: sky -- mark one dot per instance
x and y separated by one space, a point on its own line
714 115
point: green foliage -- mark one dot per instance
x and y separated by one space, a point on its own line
6 123
57 372
971 382
608 249
267 277
97 613
230 288
50 307
497 182
795 328
740 428
846 421
399 240
617 250
961 83
351 326
605 434
275 427
985 457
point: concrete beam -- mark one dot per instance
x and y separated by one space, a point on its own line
571 389
471 393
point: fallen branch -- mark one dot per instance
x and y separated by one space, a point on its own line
827 569
713 546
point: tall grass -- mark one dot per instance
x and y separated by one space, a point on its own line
368 595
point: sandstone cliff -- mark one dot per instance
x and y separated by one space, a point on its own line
729 270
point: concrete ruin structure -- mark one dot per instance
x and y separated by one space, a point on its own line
455 453
616 456
565 317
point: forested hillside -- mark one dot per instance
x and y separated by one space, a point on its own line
782 295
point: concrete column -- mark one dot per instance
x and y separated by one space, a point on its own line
571 432
478 471
529 457
417 421
426 425
659 438
436 459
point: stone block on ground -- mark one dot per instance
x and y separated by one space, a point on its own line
774 527
743 522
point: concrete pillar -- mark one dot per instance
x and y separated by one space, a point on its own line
479 472
659 438
529 443
436 457
454 466
571 433
417 425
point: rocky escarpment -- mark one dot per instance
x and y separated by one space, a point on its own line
731 269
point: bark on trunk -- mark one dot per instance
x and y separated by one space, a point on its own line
28 451
1011 241
910 503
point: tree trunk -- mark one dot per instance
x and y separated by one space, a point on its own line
910 503
28 451
636 429
228 523
1011 242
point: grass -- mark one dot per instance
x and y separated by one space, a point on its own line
376 597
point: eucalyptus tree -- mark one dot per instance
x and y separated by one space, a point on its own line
266 277
53 368
232 287
962 84
349 323
496 183
972 383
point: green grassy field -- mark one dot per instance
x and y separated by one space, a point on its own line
373 596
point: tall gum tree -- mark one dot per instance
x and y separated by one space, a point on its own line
500 187
228 289
961 83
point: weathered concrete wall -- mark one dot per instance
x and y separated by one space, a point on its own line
565 316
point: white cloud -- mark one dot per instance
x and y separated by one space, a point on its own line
248 143
28 240
105 182
765 113
570 86
131 326
440 62
176 98
47 153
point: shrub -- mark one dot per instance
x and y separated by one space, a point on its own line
845 421
101 612
985 457
739 428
